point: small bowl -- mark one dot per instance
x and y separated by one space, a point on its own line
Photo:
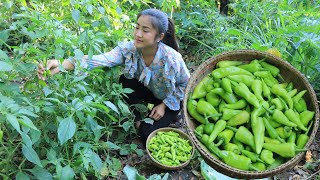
182 135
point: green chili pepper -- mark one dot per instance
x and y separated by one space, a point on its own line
259 165
273 69
298 96
200 90
292 138
237 161
239 119
246 79
200 129
277 103
238 143
273 123
281 118
286 150
238 105
253 156
270 140
214 149
226 85
213 99
278 161
245 136
267 156
229 113
218 128
230 70
303 138
301 105
204 139
258 129
227 63
292 93
265 90
306 117
243 91
205 108
257 89
209 85
224 137
192 110
290 87
232 147
280 91
284 131
271 131
262 74
270 80
228 97
252 67
294 117
208 128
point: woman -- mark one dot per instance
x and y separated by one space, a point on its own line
153 68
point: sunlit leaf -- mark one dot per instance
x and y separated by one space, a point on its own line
22 176
41 173
67 173
14 122
4 66
76 15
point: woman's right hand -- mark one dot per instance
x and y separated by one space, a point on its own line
52 66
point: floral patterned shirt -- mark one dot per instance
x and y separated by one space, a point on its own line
167 76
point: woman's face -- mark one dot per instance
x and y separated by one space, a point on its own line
145 35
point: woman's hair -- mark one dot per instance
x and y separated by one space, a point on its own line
163 24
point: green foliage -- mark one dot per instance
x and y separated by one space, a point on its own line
76 124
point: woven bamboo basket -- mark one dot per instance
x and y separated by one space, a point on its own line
182 135
288 72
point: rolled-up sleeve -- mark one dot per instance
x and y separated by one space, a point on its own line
108 59
173 100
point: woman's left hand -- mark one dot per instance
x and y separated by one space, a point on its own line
158 112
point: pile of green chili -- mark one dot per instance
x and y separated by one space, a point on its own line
168 148
249 117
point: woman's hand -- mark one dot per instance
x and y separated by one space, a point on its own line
52 66
158 111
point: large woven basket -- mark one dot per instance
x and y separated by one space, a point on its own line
288 72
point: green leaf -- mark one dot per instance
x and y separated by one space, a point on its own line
14 122
22 176
66 130
210 174
235 32
132 173
112 146
148 120
27 112
4 66
25 121
47 91
67 173
124 108
3 56
100 106
111 106
96 161
128 90
31 155
76 15
126 125
78 54
41 173
89 8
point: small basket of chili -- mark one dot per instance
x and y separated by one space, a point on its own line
250 113
169 148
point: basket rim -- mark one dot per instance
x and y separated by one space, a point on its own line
182 135
221 165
